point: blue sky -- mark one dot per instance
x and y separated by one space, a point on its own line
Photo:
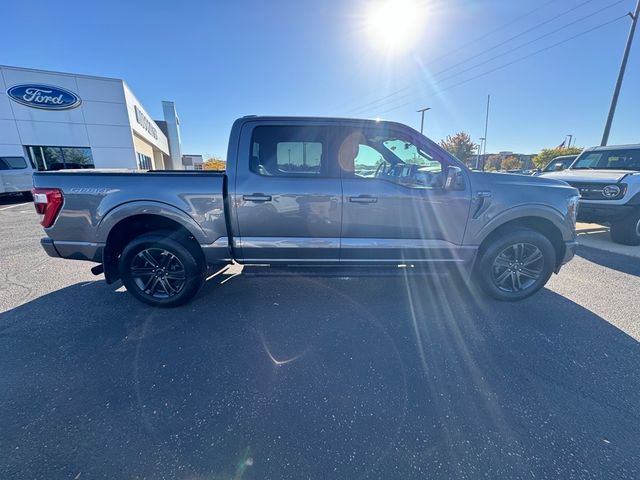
219 60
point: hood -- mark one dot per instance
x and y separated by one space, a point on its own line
598 176
522 180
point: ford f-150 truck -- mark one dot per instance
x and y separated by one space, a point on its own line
608 179
311 194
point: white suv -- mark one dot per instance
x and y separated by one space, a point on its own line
608 179
15 175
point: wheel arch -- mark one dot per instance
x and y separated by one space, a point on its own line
130 227
548 223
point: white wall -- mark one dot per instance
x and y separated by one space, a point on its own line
161 142
101 122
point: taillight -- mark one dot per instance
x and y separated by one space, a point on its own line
48 202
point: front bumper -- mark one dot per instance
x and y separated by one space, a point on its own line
595 213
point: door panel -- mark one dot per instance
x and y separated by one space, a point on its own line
288 206
403 224
394 207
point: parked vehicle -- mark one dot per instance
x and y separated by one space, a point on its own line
15 176
307 194
608 179
559 163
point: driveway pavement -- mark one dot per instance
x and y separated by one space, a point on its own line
291 378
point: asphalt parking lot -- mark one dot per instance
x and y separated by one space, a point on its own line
291 378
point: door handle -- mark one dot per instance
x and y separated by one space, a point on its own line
363 199
257 197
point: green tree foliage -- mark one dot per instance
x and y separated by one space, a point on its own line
214 163
461 146
511 163
493 162
547 154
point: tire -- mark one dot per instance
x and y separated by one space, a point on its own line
627 231
27 196
515 264
160 271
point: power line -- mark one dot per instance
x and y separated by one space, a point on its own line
541 37
491 32
517 60
471 42
524 32
366 106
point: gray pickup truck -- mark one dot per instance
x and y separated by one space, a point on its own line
312 195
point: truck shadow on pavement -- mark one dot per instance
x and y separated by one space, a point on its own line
316 378
615 261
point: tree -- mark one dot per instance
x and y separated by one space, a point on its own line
214 162
511 163
461 146
547 154
493 162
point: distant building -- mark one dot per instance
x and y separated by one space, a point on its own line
192 162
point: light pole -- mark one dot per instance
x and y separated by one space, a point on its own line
421 111
479 151
486 123
623 66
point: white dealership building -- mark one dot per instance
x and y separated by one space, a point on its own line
62 120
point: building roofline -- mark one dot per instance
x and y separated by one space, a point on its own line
54 72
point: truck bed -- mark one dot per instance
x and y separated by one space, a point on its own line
96 200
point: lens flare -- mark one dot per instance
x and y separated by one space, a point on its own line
395 24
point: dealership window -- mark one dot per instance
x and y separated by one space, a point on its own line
144 161
12 163
60 158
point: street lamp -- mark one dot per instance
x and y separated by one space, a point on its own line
421 111
479 150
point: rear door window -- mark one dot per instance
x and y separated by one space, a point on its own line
295 151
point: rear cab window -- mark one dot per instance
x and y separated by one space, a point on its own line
289 151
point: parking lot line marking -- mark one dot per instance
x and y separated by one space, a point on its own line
13 206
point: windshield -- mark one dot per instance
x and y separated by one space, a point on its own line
560 163
627 159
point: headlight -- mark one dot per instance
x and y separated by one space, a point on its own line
572 209
611 191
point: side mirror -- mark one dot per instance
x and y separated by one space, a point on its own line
453 180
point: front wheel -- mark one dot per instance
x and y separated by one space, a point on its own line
627 231
160 271
515 265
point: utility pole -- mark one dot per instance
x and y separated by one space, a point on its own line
421 111
623 67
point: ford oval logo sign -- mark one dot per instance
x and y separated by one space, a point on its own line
46 97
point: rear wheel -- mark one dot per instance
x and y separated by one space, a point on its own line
627 231
160 271
516 264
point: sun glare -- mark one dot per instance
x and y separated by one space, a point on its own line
395 24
